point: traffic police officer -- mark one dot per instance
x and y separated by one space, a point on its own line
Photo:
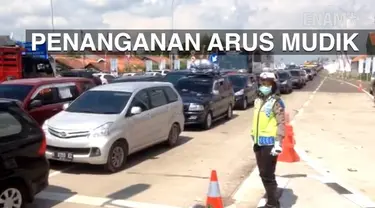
268 133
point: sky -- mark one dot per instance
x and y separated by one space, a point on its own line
18 15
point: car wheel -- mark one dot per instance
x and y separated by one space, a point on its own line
207 121
229 112
117 157
244 104
12 196
174 135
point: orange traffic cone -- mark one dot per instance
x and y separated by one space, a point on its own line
288 154
360 86
213 196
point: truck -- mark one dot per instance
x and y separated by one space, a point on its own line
15 65
247 61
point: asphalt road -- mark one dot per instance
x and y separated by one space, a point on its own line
175 177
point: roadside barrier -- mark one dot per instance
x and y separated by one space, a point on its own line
288 154
214 199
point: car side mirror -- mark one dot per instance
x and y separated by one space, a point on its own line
65 106
35 104
135 110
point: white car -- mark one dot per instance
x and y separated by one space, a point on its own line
163 72
153 73
109 122
104 77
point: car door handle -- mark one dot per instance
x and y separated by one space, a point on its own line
55 109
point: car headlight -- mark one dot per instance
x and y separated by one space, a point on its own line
284 82
45 125
196 107
102 130
241 92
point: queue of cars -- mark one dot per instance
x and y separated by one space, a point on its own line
71 119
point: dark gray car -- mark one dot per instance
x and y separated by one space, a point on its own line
298 79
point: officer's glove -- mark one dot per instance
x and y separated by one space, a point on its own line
277 149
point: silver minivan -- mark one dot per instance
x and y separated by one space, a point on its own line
109 122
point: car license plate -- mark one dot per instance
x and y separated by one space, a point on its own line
65 156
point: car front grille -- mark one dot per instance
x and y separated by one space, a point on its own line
68 134
79 151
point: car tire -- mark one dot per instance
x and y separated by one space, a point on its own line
20 192
245 104
207 123
173 135
117 156
229 114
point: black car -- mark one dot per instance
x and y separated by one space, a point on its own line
286 84
174 76
143 78
82 73
206 98
24 168
245 89
297 79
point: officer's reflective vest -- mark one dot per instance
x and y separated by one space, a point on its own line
264 129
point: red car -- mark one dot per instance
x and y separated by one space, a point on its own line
44 97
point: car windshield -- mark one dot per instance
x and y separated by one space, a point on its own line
203 86
283 76
17 92
294 73
237 80
233 61
100 102
174 77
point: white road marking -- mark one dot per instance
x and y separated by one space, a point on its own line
97 201
353 85
54 173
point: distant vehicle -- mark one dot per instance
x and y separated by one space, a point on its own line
298 79
163 72
132 74
81 73
207 98
286 83
245 89
144 78
14 65
95 131
153 73
44 97
310 74
305 75
24 167
105 78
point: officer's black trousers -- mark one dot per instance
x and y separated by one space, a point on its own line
267 166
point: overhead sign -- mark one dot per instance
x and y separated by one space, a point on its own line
40 52
213 58
114 67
